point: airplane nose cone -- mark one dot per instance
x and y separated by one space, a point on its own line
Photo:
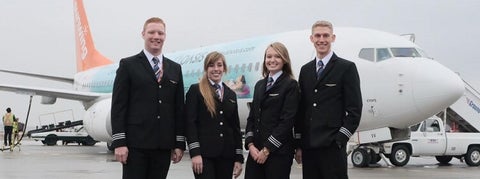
436 86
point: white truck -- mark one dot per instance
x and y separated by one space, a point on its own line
433 138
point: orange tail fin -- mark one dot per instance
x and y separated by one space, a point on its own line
86 54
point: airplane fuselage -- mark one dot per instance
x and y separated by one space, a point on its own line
397 91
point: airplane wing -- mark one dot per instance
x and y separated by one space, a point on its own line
54 93
41 76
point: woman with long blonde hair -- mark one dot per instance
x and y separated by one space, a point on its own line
213 126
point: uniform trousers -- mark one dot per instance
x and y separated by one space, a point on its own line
276 167
216 168
325 162
147 164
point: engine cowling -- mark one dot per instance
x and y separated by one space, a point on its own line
97 121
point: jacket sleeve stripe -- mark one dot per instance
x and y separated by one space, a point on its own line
118 136
345 132
274 141
193 145
180 138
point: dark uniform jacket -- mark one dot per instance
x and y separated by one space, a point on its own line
272 115
147 114
330 107
217 136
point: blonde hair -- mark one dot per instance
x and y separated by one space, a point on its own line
205 86
153 20
283 52
322 23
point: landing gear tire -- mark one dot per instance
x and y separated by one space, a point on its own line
472 158
400 155
360 157
444 159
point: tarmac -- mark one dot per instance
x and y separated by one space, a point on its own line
34 160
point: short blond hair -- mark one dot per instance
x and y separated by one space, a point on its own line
322 23
153 20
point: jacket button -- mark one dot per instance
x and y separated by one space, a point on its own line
314 104
221 123
160 101
221 135
221 112
159 86
315 90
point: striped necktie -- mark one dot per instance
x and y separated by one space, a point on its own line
156 68
218 90
320 69
269 83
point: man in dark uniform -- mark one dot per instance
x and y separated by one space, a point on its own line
329 111
147 106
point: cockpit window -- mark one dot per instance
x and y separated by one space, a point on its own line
367 54
405 52
383 54
380 54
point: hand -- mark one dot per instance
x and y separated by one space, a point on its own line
237 169
298 156
177 155
253 152
262 156
121 154
197 164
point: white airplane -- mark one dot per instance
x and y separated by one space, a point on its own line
400 85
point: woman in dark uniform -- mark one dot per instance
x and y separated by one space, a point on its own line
269 137
213 127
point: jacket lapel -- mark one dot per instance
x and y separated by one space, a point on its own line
262 88
165 67
328 68
146 64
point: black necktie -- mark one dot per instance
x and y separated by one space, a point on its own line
320 69
269 83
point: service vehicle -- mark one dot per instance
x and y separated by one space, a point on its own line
74 135
428 138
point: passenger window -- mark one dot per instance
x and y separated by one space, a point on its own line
367 54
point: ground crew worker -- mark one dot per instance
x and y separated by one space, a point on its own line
8 127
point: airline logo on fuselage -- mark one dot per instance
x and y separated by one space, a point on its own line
200 56
80 32
473 105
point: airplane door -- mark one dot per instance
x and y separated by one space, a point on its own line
429 139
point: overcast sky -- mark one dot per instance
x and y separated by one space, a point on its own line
37 36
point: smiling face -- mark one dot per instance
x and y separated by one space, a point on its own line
273 61
154 37
215 70
322 38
